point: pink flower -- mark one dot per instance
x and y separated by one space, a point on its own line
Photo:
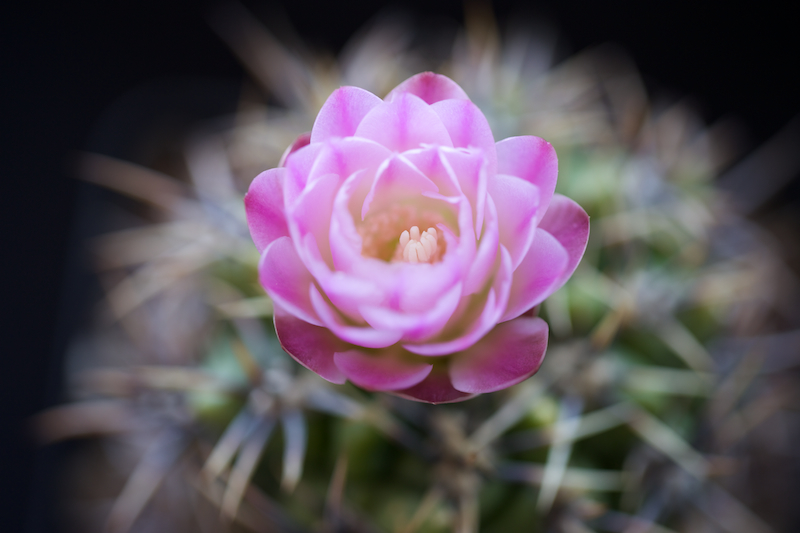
402 246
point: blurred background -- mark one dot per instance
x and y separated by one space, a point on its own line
124 80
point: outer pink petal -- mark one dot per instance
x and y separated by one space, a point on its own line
366 337
404 123
430 87
538 276
302 140
342 113
263 205
311 346
569 224
387 370
468 127
532 159
436 388
287 280
516 201
511 353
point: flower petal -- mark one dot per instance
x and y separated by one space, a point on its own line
346 242
404 123
456 173
298 166
538 276
569 224
263 205
517 202
311 214
366 337
482 266
532 159
429 86
436 388
468 127
470 169
428 160
311 346
345 156
489 314
342 112
287 280
383 371
511 353
415 326
345 292
397 178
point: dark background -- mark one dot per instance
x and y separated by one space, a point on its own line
66 67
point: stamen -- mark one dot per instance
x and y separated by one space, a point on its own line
416 248
404 237
379 235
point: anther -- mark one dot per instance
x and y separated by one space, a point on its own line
418 248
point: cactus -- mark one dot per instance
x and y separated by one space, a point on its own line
643 417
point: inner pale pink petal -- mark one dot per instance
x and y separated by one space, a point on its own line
407 287
482 267
403 124
311 346
469 168
489 307
516 201
397 179
511 353
569 224
384 371
532 159
346 292
429 161
538 276
430 87
263 205
311 214
342 113
366 337
468 128
298 166
416 287
287 280
347 156
436 388
346 242
416 327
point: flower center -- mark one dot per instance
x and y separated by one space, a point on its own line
417 248
379 235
